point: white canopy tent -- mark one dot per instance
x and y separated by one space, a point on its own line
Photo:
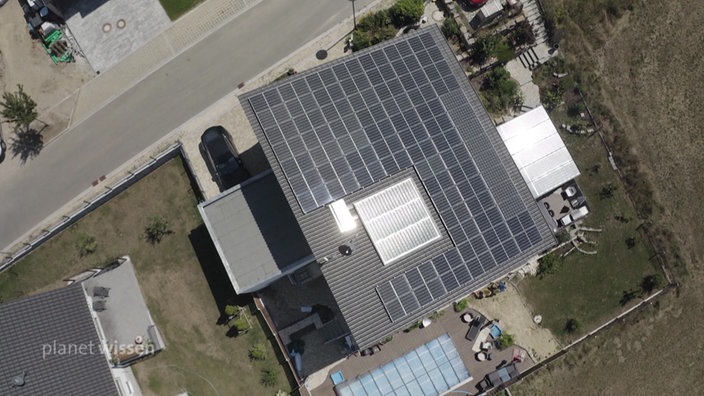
538 151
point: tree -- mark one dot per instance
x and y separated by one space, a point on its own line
572 325
650 283
18 108
406 12
157 228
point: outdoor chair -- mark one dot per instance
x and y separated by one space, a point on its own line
99 306
102 292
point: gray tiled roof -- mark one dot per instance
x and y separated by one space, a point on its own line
32 333
490 223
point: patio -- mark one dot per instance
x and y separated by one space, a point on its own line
307 311
450 323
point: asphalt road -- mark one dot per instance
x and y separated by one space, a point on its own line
143 114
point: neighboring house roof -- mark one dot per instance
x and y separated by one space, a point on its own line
51 339
357 126
255 233
538 151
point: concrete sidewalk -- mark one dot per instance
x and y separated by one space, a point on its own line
181 35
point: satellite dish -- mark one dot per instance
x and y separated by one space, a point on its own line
345 250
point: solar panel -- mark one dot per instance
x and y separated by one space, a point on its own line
341 128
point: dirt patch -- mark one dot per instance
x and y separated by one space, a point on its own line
25 62
517 319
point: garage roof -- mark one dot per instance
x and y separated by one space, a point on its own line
255 233
538 151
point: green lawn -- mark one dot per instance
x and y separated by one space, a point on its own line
175 8
590 288
181 279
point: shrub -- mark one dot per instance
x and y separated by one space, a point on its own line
484 48
500 92
504 341
269 376
562 236
450 28
406 12
156 229
257 352
630 242
607 191
650 283
240 323
231 310
550 99
547 264
373 29
522 34
86 245
572 325
460 305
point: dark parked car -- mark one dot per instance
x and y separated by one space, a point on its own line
222 158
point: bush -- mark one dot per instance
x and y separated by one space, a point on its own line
484 48
86 245
547 264
522 34
504 341
500 92
257 352
562 236
460 305
373 29
572 326
607 191
269 376
450 28
406 12
240 323
650 283
550 99
156 229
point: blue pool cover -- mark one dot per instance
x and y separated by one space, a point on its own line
431 369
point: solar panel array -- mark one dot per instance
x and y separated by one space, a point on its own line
431 369
397 221
345 126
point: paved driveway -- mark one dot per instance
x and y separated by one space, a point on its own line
236 52
107 31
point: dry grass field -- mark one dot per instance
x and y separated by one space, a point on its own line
643 66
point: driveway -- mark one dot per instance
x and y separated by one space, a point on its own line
143 114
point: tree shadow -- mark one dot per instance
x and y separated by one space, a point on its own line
26 144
